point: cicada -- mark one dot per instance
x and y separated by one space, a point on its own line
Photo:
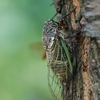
58 58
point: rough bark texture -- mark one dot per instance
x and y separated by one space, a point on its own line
91 18
82 27
91 28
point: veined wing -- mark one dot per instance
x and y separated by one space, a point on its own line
59 69
67 54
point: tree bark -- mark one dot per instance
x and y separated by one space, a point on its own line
82 26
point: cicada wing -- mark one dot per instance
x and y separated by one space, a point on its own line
68 55
54 85
53 81
57 71
69 70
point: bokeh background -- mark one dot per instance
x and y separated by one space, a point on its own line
23 72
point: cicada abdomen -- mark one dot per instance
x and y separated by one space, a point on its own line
57 58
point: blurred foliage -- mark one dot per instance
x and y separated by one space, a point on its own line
23 73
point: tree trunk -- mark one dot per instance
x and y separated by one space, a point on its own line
83 31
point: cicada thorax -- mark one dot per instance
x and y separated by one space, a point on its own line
49 31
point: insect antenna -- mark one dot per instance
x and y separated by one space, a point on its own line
68 14
51 4
54 16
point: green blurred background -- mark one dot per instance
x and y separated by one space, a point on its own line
23 72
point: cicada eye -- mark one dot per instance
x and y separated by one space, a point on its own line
54 24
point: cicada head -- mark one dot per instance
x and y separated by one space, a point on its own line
50 31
